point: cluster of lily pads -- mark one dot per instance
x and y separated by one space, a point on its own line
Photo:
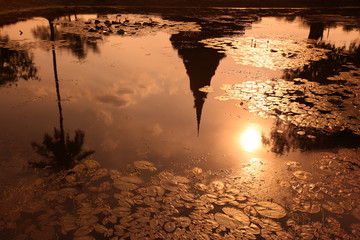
330 108
333 190
274 54
126 24
95 29
90 202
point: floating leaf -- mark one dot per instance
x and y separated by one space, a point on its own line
314 207
302 175
333 207
270 209
169 226
182 221
227 221
145 165
293 164
270 225
91 164
127 183
82 231
253 229
217 185
100 228
356 212
200 187
238 215
301 133
197 170
172 185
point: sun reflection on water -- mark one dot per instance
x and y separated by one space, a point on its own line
250 139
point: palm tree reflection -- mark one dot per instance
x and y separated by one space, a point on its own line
59 152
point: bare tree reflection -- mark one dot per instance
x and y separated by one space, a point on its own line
15 65
59 151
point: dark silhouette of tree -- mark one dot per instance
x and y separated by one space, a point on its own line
15 65
59 151
76 43
316 30
284 137
320 70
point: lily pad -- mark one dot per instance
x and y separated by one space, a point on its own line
127 182
269 224
302 175
172 185
216 185
227 221
270 209
182 221
145 165
169 226
91 164
83 231
356 212
238 215
333 207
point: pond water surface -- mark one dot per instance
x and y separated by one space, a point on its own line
207 124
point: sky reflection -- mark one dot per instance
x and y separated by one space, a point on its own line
138 97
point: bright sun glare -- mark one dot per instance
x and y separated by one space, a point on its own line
250 139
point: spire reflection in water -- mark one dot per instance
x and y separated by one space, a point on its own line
250 139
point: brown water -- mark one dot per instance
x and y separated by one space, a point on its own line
271 98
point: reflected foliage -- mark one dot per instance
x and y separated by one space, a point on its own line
286 137
320 70
60 152
77 44
15 65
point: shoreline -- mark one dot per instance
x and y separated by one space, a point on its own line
7 6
